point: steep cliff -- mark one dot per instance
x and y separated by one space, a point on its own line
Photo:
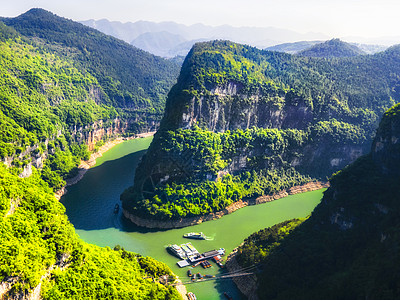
348 248
56 107
241 122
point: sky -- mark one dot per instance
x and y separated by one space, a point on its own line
339 18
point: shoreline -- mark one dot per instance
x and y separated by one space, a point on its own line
85 165
190 221
246 284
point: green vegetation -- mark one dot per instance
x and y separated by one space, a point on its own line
237 110
37 238
259 245
332 48
130 78
43 97
50 101
347 248
200 155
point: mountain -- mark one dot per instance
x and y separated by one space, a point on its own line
347 249
158 43
296 47
131 78
293 48
257 36
53 112
242 123
332 48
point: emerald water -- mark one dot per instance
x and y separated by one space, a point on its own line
90 207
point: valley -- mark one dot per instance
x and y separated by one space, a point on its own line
288 157
89 206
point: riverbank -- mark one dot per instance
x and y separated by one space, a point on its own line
86 165
246 284
184 222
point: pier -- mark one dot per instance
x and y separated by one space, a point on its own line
199 258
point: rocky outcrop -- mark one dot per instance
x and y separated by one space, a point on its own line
386 145
184 222
230 107
7 284
246 284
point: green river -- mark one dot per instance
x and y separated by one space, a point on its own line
90 204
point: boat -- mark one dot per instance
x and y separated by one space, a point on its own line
116 208
195 235
177 251
209 276
199 276
205 264
191 296
189 273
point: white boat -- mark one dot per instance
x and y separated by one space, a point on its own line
177 251
195 235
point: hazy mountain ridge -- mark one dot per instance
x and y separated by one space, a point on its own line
256 36
293 48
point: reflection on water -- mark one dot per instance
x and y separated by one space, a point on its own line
90 207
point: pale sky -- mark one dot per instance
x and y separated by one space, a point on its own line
367 18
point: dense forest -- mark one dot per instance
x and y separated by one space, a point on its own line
50 102
290 118
39 245
348 248
131 79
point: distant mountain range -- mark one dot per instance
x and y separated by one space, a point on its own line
169 39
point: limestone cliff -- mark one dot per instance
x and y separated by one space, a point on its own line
346 249
236 110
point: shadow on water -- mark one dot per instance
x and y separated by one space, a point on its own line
100 190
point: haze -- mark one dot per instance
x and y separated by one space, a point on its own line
340 18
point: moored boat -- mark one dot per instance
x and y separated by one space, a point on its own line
116 208
177 251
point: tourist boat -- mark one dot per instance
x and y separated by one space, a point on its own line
189 273
177 251
209 276
195 235
116 208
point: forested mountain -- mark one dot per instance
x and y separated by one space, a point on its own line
40 254
242 122
131 78
56 107
348 248
332 48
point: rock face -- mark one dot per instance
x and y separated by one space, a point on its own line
386 145
89 135
345 250
246 284
230 106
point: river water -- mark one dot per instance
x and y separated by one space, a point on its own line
90 207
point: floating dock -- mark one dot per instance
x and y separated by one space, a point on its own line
197 259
